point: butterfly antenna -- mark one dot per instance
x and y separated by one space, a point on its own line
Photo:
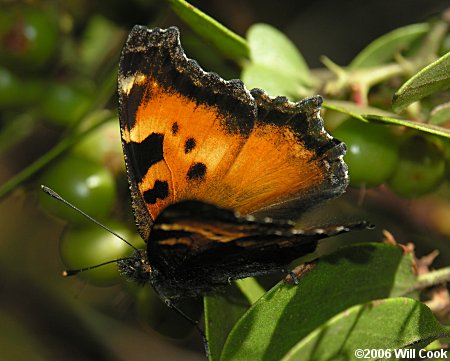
73 272
55 195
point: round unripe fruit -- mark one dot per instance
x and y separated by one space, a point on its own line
92 245
421 168
87 185
28 36
371 152
64 105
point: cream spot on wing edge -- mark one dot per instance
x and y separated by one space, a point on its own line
125 85
126 82
126 135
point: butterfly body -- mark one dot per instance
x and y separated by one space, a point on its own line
198 149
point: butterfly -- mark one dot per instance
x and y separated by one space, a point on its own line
204 158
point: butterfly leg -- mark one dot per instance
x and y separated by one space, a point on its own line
291 276
190 320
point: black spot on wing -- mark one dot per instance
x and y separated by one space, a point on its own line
175 128
189 145
160 190
197 171
146 153
129 105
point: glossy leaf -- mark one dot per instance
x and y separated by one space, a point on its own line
229 43
221 313
384 326
270 47
274 83
423 127
385 47
431 79
275 64
286 314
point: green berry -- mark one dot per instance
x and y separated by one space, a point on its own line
28 37
371 152
91 246
82 182
421 168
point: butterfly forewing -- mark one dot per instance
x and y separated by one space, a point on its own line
188 134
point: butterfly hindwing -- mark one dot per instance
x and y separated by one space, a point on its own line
188 134
197 247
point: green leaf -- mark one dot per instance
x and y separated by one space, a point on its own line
423 127
275 64
251 289
385 47
221 313
228 42
271 80
390 324
431 79
286 314
440 114
270 47
212 59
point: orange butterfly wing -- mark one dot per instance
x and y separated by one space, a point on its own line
188 134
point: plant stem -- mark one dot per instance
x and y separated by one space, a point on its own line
97 119
432 278
366 78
